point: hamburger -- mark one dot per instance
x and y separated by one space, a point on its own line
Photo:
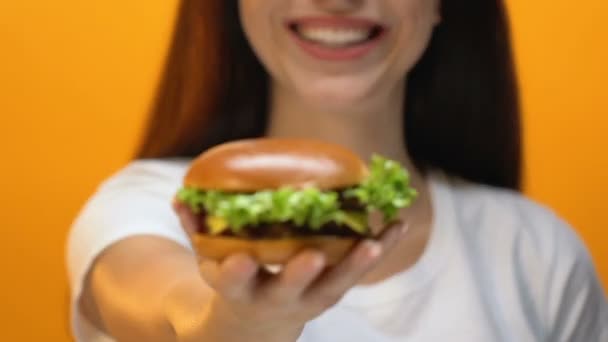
272 197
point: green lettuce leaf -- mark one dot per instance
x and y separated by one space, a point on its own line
385 189
309 207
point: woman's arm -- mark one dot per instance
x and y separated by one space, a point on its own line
147 288
128 286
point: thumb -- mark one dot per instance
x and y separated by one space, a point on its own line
188 220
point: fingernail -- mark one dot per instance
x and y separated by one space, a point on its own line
178 207
404 229
374 249
317 262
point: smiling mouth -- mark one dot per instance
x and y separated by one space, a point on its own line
336 37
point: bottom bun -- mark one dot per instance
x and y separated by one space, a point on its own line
272 251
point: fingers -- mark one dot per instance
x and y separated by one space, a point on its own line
346 274
295 277
234 278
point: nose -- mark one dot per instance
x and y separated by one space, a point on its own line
339 6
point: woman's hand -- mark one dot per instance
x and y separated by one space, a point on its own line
277 306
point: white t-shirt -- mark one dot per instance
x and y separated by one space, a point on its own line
498 267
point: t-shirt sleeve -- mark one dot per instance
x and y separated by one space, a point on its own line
134 201
577 303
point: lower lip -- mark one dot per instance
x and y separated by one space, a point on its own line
320 51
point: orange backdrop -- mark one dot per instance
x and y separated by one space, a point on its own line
76 77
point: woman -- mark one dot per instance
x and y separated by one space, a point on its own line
429 84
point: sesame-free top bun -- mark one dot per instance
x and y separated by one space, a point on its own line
270 163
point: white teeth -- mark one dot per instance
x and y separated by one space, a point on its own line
335 36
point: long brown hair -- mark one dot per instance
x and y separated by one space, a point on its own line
462 113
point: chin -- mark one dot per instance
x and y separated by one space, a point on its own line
337 95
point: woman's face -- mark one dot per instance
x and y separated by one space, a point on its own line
338 53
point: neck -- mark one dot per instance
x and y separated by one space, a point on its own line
374 129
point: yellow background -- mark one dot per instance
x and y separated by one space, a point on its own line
75 81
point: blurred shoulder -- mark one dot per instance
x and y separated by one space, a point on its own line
534 255
497 216
148 172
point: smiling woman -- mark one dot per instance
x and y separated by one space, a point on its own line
429 84
83 71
